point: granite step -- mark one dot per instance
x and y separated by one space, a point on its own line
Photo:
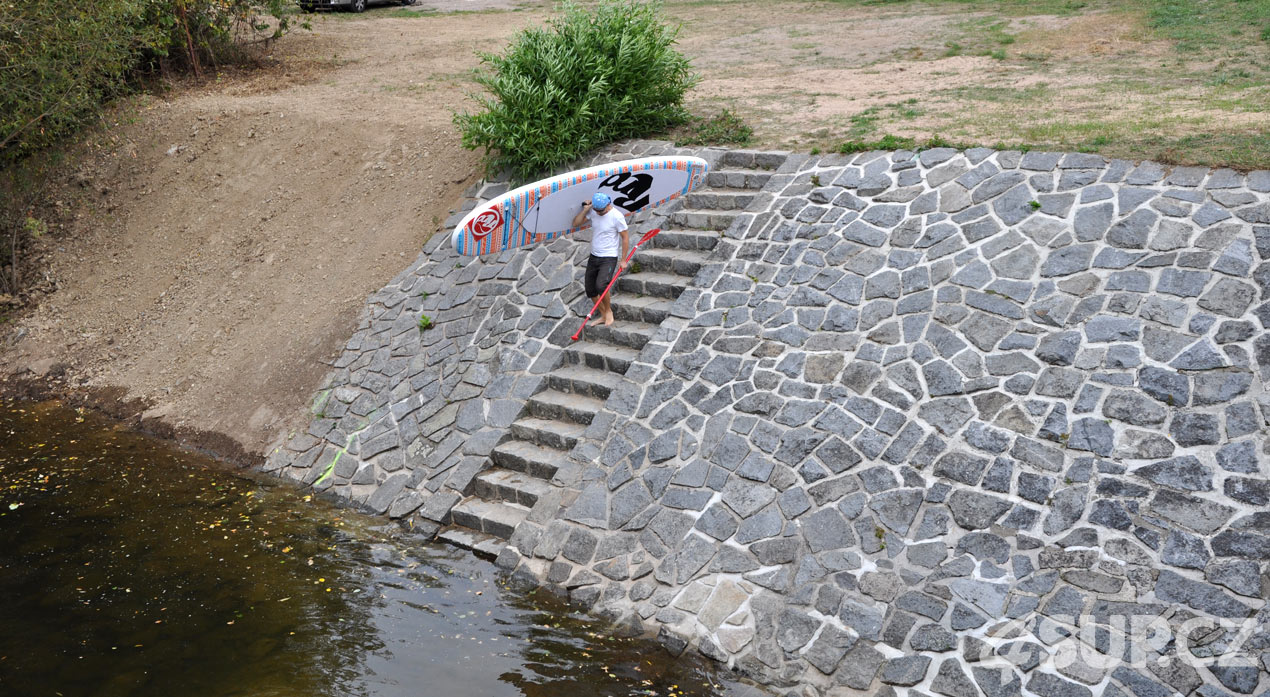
583 380
528 458
563 406
479 542
702 219
602 356
548 433
509 485
754 159
651 311
681 262
497 518
753 179
658 285
699 240
623 332
721 198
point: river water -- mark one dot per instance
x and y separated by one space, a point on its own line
130 568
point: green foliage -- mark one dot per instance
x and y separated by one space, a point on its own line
886 142
589 78
60 64
892 142
63 61
35 227
425 323
725 129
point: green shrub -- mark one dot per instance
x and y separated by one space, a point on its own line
62 62
590 78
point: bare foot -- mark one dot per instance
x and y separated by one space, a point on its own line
608 319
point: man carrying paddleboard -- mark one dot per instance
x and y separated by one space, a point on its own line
609 243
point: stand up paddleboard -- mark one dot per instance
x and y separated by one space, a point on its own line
544 210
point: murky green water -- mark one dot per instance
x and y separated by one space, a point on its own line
129 568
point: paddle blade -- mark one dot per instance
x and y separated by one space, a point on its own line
648 236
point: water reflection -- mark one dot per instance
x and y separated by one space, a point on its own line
129 569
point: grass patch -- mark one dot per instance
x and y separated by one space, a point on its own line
1039 93
1176 80
403 13
724 129
1017 8
1243 151
864 122
894 142
1213 23
887 142
982 36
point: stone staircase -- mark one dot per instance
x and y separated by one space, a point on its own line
521 468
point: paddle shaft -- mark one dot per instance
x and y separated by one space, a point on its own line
616 272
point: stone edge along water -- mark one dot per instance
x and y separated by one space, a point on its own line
956 422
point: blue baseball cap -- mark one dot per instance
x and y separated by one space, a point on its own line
600 201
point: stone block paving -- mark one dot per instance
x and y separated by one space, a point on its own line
944 422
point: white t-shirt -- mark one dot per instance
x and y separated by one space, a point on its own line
606 239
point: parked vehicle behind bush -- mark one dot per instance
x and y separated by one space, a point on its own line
347 5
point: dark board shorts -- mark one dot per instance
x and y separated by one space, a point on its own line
599 271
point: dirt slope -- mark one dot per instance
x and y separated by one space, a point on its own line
227 241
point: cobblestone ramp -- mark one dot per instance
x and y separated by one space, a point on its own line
958 423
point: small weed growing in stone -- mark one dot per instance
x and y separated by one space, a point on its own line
425 323
815 151
1036 205
634 267
815 180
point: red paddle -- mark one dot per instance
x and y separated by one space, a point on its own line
647 236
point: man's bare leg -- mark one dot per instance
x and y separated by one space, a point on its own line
606 311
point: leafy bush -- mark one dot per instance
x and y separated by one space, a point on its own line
591 78
60 65
62 61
